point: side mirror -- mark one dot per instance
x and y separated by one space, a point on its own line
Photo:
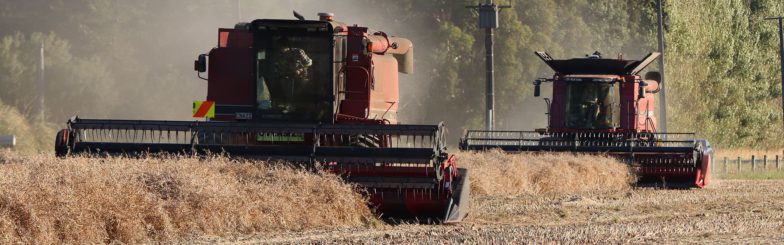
643 84
537 88
200 64
653 75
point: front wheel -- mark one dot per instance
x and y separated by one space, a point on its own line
61 143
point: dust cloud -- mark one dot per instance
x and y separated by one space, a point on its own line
180 35
160 82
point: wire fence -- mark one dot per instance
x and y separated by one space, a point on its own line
755 163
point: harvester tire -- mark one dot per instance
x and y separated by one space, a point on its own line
61 143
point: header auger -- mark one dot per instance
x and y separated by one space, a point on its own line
603 106
321 93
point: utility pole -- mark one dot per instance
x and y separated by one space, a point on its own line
42 86
488 19
781 54
663 95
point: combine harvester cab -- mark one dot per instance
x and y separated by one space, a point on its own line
602 106
320 93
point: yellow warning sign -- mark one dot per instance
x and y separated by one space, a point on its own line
204 109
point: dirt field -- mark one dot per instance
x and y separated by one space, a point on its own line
731 211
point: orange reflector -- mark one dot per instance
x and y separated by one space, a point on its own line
205 109
223 39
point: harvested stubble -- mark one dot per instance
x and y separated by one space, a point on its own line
499 173
92 200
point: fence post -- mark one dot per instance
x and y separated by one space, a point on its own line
753 162
778 163
765 162
738 164
725 164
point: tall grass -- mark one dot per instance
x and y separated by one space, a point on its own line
499 173
47 200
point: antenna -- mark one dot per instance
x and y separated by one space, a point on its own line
488 19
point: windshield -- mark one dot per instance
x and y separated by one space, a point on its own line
592 105
293 79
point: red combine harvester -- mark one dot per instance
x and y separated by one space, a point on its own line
321 93
602 106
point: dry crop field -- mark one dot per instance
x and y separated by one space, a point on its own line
565 198
738 211
46 200
527 198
